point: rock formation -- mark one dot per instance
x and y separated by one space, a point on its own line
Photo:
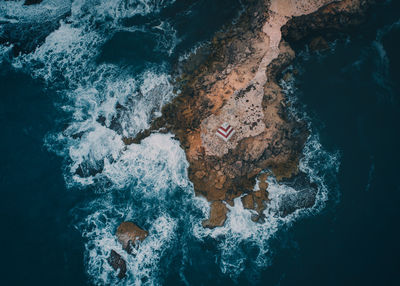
129 235
117 263
217 215
233 80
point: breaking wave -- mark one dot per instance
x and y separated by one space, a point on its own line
102 103
157 183
246 244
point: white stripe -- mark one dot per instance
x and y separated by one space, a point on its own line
225 133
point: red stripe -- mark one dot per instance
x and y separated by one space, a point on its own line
224 132
224 128
227 135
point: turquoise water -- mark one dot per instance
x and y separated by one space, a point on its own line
105 73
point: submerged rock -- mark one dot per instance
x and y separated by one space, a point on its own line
130 235
117 263
32 2
319 44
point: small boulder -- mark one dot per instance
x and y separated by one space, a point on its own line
218 213
117 263
129 234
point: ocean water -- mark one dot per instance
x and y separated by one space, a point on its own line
102 71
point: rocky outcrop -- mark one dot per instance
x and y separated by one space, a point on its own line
257 200
303 197
218 211
130 235
233 79
338 16
117 263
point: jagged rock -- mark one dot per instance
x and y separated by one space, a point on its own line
304 197
218 211
250 99
117 263
129 235
256 201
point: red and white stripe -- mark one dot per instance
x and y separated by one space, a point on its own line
225 132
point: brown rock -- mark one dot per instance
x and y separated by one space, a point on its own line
256 201
248 201
218 213
117 263
129 234
222 171
200 174
263 185
220 180
263 177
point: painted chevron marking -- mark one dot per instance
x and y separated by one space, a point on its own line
225 132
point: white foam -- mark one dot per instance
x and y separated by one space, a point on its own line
157 167
158 163
17 12
167 37
240 232
142 264
146 183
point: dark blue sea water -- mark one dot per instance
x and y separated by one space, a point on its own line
105 73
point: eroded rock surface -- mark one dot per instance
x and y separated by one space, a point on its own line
233 80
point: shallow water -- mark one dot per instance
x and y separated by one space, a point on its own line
105 73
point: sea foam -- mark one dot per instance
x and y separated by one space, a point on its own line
146 183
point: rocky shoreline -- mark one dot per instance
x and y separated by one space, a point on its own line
234 80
